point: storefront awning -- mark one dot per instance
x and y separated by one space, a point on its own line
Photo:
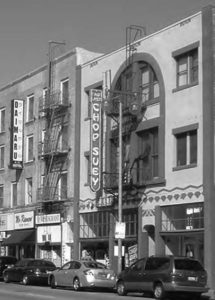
19 236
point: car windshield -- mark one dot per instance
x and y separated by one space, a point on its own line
188 264
93 265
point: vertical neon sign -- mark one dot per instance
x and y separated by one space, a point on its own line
95 157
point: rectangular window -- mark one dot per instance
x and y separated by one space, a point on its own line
149 83
146 167
1 196
95 225
187 68
44 102
2 120
63 142
28 190
29 148
14 197
30 108
186 148
87 160
63 186
2 157
65 91
130 218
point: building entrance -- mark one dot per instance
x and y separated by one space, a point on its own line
95 250
193 247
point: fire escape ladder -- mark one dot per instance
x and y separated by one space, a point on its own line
55 155
132 110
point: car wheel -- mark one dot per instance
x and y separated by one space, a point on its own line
6 278
52 283
120 288
76 284
25 279
159 291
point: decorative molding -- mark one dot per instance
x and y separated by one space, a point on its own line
163 195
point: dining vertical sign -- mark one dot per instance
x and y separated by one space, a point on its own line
17 110
95 153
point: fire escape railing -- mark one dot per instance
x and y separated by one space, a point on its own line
53 149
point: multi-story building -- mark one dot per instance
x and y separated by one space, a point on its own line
156 95
38 117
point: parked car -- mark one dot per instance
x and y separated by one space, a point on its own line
6 262
29 270
80 274
163 275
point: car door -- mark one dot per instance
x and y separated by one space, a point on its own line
61 275
73 271
16 271
155 270
134 276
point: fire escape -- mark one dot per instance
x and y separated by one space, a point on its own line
53 147
131 113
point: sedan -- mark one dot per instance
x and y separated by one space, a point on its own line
80 274
27 271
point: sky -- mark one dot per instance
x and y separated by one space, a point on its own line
26 27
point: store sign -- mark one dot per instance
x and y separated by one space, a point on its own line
24 220
47 219
132 254
17 108
6 222
105 201
95 157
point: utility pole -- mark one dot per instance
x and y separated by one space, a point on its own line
120 186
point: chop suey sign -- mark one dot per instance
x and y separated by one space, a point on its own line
95 157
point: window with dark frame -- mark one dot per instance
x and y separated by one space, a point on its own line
63 186
14 194
30 108
2 157
1 195
65 91
131 220
149 83
95 225
187 68
186 148
29 153
2 120
29 188
147 162
87 157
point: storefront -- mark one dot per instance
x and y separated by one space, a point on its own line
97 236
20 242
54 238
6 226
49 237
182 229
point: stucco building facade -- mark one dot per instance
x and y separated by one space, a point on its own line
168 153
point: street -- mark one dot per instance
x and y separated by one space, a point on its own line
13 291
16 291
